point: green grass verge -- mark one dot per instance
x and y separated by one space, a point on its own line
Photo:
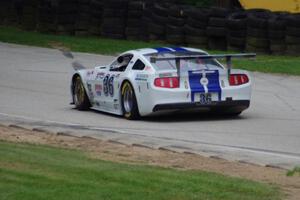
264 63
295 171
41 172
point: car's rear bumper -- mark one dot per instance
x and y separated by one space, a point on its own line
236 106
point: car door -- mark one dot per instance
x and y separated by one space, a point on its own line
107 83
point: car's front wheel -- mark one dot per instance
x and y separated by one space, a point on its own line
81 99
129 102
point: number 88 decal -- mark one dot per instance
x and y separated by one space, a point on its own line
108 85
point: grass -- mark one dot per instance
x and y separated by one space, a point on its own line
264 63
41 172
293 172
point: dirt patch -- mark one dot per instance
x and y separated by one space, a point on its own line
106 150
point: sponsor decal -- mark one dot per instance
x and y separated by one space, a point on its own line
89 73
97 103
98 89
141 77
100 75
117 75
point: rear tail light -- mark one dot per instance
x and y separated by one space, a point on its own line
238 79
167 82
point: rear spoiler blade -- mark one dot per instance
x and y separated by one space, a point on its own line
228 58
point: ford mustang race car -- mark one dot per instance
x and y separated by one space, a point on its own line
146 81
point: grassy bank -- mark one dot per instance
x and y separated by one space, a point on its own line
264 63
41 172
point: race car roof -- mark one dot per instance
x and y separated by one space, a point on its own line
146 51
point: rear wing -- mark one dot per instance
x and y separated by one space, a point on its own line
228 58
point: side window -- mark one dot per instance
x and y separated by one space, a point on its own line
138 65
121 63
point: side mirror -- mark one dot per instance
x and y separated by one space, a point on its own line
120 59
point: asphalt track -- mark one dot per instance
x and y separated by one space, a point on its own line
34 92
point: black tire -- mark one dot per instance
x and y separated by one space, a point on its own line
174 30
196 40
199 14
191 31
162 20
276 34
156 29
258 42
130 108
258 19
278 21
237 33
292 40
217 43
294 20
219 12
216 31
217 22
196 24
81 99
237 21
278 49
160 10
259 33
235 41
292 31
175 39
176 21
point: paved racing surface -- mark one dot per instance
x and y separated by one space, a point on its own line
34 92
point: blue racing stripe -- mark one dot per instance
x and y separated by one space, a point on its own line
180 49
162 49
194 80
214 83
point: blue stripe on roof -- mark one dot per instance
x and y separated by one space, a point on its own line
179 49
162 49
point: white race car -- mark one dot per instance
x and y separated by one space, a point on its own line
146 81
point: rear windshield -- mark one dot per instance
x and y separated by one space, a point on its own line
185 64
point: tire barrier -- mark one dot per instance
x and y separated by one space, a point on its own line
217 30
292 39
96 11
277 33
134 29
114 18
255 30
237 31
47 13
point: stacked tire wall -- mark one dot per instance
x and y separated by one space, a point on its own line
258 30
293 34
195 27
217 29
114 18
134 28
237 31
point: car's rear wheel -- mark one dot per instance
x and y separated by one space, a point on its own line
81 99
129 103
